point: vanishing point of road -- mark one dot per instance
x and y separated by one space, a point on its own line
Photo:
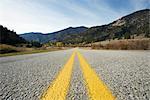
76 74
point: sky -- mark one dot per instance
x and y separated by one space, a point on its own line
48 16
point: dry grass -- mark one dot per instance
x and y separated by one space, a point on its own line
131 44
8 50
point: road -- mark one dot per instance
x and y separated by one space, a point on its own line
76 74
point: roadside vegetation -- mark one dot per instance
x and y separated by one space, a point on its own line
8 50
130 32
12 44
126 44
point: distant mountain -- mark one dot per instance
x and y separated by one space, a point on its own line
35 36
9 37
130 26
55 36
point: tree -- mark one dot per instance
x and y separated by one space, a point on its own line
10 37
127 36
35 44
59 44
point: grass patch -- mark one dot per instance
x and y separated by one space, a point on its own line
25 52
7 50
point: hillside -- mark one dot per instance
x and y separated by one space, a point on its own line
130 26
9 37
55 36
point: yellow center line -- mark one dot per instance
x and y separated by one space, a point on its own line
97 90
59 87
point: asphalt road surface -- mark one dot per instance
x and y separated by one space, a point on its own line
125 75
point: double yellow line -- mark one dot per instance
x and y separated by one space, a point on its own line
97 90
59 87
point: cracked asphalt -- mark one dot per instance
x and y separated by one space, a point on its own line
26 77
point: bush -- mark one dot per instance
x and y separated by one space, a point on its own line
7 49
34 44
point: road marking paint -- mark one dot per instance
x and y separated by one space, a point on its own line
59 87
97 90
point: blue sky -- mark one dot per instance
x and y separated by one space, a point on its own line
53 15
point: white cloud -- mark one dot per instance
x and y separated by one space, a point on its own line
53 15
27 16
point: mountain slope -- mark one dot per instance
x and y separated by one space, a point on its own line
9 37
55 36
129 26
